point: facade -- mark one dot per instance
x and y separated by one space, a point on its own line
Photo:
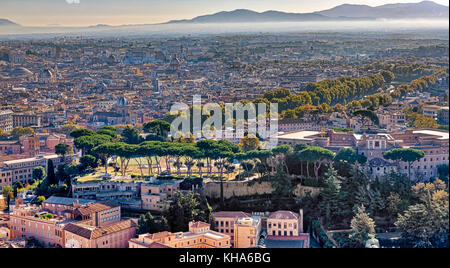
21 170
391 119
435 146
156 196
6 120
442 116
47 142
246 232
10 148
225 220
285 223
243 228
28 221
28 145
32 145
431 110
198 236
26 120
105 190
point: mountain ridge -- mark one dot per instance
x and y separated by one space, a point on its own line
424 9
6 22
421 10
344 12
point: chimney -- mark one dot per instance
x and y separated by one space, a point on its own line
300 225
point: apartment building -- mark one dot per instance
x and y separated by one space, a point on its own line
285 223
6 121
26 120
225 221
101 227
246 232
28 221
243 228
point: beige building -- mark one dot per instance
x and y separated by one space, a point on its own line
246 232
243 229
156 196
198 236
26 120
285 223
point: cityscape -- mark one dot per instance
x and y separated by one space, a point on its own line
277 125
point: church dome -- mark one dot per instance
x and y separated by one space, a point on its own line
46 74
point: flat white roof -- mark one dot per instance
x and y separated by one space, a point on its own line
442 134
299 135
213 235
51 156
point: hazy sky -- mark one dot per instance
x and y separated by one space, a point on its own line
116 12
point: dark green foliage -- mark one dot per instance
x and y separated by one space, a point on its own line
51 177
82 132
350 155
187 207
131 135
147 223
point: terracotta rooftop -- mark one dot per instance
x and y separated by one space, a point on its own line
97 207
199 224
231 214
92 232
151 245
158 235
283 214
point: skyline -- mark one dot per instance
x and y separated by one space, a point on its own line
120 12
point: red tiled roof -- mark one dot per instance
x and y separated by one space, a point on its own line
284 214
91 232
198 224
97 207
159 235
231 214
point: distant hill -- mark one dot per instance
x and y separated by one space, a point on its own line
5 22
245 15
425 9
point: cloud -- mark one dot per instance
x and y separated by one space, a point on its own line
72 2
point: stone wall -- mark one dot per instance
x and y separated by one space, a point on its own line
212 189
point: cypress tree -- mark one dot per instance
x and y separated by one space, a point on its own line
51 173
